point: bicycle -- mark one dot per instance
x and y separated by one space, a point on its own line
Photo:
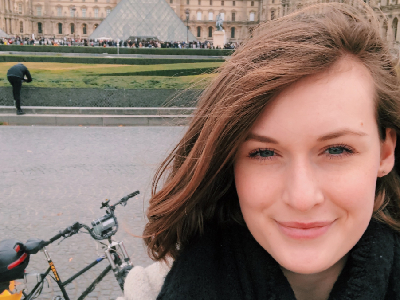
14 257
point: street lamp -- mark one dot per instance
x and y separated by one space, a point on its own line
74 9
187 25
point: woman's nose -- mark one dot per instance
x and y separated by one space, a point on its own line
302 189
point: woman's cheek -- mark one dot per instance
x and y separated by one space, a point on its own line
255 185
352 191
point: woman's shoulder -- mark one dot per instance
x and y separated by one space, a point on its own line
144 283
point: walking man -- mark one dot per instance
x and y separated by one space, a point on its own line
16 74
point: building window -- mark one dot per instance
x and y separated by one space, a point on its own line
198 15
233 17
252 14
222 15
39 27
39 11
285 8
252 3
187 2
199 2
108 1
232 32
222 3
210 2
20 8
233 3
96 12
72 25
84 28
59 28
83 12
198 31
273 1
210 15
108 11
171 1
72 12
59 11
272 14
21 27
210 31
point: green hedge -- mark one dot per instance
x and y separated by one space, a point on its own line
167 73
101 60
100 50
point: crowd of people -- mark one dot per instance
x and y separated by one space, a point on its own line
129 43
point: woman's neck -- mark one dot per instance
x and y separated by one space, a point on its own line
315 286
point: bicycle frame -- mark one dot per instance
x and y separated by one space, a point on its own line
103 228
109 254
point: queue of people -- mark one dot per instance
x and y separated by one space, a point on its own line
151 43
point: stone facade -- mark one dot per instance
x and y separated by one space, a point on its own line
79 18
53 18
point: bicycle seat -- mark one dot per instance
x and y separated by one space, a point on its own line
13 260
32 246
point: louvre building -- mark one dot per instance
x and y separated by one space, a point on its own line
79 18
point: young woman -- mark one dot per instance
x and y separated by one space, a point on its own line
285 184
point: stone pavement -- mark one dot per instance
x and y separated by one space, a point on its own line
51 177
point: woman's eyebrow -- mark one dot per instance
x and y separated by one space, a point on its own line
340 133
329 136
261 138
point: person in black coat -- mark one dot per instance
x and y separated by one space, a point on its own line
16 75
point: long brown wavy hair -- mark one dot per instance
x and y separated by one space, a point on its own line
197 177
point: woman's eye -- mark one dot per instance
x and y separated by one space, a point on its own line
338 150
262 153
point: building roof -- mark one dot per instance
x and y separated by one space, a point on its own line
3 34
143 18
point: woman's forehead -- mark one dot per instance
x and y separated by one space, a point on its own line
342 95
347 66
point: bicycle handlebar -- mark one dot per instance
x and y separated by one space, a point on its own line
126 198
66 232
71 230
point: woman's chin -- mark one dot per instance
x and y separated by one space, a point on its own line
311 266
305 269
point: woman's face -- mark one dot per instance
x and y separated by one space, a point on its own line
306 174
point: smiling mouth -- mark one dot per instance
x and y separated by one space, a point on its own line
297 230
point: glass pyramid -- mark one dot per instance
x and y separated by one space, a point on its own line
3 34
143 18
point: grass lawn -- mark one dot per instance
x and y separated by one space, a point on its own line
65 75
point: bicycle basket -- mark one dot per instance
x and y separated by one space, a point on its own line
13 260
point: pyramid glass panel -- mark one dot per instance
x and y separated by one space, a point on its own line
3 34
143 19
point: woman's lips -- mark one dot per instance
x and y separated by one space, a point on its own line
297 230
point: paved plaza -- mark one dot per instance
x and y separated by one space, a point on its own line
51 177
